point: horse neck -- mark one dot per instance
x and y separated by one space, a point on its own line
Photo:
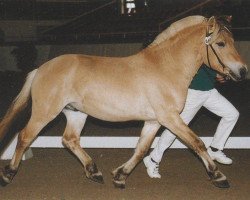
182 52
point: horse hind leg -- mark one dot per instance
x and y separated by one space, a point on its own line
121 173
71 139
25 137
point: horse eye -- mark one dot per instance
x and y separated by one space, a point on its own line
221 44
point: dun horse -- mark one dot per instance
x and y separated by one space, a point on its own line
150 86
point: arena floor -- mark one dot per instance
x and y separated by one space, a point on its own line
54 174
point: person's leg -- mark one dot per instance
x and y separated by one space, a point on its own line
164 142
219 105
154 158
194 101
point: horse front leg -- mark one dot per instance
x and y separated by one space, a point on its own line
176 125
121 173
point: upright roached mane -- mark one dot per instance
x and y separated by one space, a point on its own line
150 86
176 27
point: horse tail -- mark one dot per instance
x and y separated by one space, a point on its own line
18 105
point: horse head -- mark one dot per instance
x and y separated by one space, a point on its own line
220 53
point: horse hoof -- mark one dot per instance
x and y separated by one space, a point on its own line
118 184
222 184
93 173
3 182
97 178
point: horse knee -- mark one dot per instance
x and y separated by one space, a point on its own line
70 141
198 145
201 145
65 142
140 152
24 140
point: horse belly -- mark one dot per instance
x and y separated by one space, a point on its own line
114 109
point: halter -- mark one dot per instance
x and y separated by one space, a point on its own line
207 42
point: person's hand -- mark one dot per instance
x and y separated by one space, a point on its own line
220 78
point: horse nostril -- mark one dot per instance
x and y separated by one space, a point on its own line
243 73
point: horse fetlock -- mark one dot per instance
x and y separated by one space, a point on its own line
219 179
93 173
7 175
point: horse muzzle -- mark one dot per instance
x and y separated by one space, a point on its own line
243 73
240 75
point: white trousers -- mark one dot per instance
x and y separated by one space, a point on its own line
214 102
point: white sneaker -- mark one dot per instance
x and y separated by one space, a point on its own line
219 156
152 167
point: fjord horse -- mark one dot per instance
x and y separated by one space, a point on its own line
150 86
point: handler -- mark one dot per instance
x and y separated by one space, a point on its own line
201 92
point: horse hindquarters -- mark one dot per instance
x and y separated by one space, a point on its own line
42 113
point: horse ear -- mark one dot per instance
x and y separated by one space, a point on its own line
229 18
212 30
211 24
